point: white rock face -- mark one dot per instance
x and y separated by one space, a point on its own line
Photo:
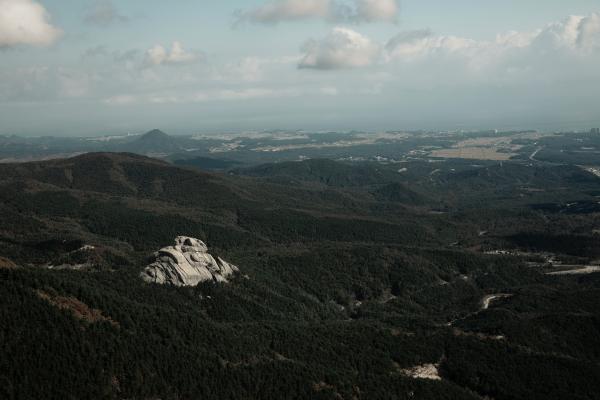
187 264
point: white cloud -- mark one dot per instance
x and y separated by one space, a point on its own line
104 13
576 34
377 10
342 48
121 100
589 32
564 55
414 44
285 10
25 22
561 57
515 39
159 55
356 11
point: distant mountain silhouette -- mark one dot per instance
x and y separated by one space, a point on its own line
155 141
154 135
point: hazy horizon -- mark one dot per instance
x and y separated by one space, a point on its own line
557 128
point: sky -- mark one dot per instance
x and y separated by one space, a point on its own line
100 67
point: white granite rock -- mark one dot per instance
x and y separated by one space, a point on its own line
187 264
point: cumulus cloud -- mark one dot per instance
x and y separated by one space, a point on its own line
377 10
589 32
104 13
564 54
342 48
356 11
25 22
286 10
575 34
413 44
159 55
560 50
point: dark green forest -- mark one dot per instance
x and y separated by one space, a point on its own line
351 275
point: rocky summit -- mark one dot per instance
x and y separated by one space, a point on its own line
187 263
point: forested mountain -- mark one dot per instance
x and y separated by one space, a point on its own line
354 279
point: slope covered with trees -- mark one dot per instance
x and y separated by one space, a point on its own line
348 281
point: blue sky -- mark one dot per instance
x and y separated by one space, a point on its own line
105 67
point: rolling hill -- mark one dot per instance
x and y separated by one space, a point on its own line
349 282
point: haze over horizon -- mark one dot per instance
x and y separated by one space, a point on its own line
102 67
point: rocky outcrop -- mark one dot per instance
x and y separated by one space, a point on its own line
425 371
187 264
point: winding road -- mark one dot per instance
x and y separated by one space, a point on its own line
485 304
487 300
532 156
590 269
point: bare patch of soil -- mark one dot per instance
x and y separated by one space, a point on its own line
5 263
77 308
